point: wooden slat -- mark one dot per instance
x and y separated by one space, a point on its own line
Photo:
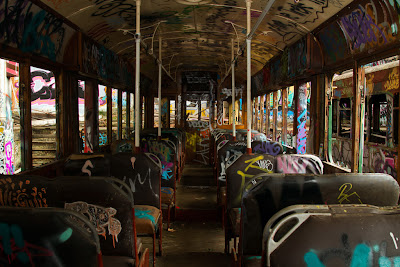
26 115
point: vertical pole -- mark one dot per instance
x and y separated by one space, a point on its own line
362 118
355 121
137 80
275 116
109 115
267 120
249 110
284 115
159 87
233 94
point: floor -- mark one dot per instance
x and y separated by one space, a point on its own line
196 236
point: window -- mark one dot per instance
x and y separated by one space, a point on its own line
124 121
156 113
102 115
290 115
279 122
345 117
192 109
205 116
377 118
172 112
114 112
81 114
43 105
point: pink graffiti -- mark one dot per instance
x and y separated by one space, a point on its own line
9 165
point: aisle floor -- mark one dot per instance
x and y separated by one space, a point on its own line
196 237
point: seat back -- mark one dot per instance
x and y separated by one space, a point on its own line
296 163
337 235
164 150
105 201
266 194
242 170
227 154
142 173
122 146
47 237
87 165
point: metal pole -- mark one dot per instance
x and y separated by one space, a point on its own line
233 94
249 110
159 87
137 80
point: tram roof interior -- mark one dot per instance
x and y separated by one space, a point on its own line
198 34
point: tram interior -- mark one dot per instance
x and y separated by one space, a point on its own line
199 132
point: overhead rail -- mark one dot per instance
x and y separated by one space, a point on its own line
250 35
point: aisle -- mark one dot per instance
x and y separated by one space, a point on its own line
196 237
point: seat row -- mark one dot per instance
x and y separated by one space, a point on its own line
69 221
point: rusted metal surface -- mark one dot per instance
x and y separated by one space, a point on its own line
356 233
266 194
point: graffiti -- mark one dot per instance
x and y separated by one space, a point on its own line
43 86
227 161
119 8
9 163
220 113
299 164
265 164
102 139
252 164
85 169
164 153
362 29
164 112
266 147
14 249
100 217
198 124
301 120
392 82
221 144
145 214
100 31
364 254
141 181
345 194
21 194
191 140
39 37
197 97
228 92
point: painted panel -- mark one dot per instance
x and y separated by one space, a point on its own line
26 26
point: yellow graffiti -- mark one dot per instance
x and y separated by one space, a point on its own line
253 161
191 140
393 80
244 176
370 83
344 193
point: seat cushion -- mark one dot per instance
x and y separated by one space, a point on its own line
111 261
146 218
234 216
167 196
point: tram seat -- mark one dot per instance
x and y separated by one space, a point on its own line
333 235
165 150
106 202
267 194
47 237
122 146
87 165
244 168
142 172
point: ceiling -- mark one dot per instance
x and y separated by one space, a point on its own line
196 34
